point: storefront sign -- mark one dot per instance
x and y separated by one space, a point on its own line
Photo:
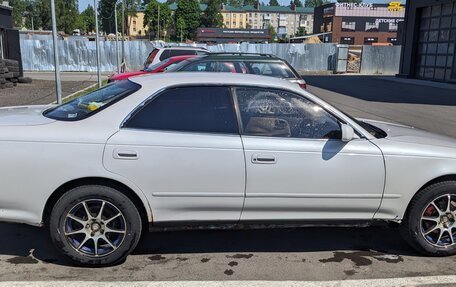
355 5
395 6
388 20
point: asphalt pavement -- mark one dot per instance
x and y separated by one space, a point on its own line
311 254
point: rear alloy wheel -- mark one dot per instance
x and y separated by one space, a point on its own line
95 225
430 223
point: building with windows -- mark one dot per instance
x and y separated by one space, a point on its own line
359 24
429 41
287 21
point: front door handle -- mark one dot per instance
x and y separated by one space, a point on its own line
125 154
263 159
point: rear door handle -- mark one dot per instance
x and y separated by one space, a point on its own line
263 159
125 154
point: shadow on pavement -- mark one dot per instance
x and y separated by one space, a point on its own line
384 89
26 243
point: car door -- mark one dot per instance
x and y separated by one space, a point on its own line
183 149
297 166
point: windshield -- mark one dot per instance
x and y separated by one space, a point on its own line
85 106
157 65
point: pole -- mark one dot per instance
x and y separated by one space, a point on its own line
97 43
122 68
33 27
58 85
158 24
117 38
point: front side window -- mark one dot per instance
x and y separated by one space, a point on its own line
85 106
188 109
275 113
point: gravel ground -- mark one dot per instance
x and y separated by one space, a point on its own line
38 92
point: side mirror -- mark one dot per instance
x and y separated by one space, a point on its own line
348 133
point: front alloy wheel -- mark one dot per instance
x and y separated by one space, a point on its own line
429 224
438 221
95 225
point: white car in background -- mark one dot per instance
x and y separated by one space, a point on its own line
213 148
160 54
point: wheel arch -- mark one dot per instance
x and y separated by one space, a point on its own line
141 204
442 178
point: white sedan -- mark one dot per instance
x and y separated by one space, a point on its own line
214 149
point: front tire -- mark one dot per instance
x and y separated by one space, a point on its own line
95 225
429 225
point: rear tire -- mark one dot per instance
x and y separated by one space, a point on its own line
92 238
429 225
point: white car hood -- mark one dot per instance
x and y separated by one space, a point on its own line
406 134
24 116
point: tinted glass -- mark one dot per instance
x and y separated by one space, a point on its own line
188 109
275 113
157 65
93 102
272 69
200 67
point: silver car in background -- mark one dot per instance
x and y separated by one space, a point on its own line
216 148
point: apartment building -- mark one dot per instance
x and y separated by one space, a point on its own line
285 20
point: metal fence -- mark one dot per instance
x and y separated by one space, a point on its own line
378 60
80 55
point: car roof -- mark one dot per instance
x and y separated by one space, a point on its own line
240 57
153 81
183 48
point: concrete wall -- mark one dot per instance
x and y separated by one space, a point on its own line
380 60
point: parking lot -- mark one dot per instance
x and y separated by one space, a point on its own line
311 254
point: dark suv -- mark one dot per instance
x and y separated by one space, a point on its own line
245 63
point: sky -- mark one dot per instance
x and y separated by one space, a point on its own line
83 3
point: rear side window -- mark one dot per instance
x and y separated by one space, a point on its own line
188 109
176 52
83 107
200 67
272 69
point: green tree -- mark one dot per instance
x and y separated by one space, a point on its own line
189 12
235 3
19 7
151 17
297 3
250 2
180 29
316 3
274 3
301 32
212 17
272 32
66 15
106 15
86 20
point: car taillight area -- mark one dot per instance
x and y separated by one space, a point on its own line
302 84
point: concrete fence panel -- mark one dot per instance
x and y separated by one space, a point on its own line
380 60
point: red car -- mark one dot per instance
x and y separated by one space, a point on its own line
159 67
